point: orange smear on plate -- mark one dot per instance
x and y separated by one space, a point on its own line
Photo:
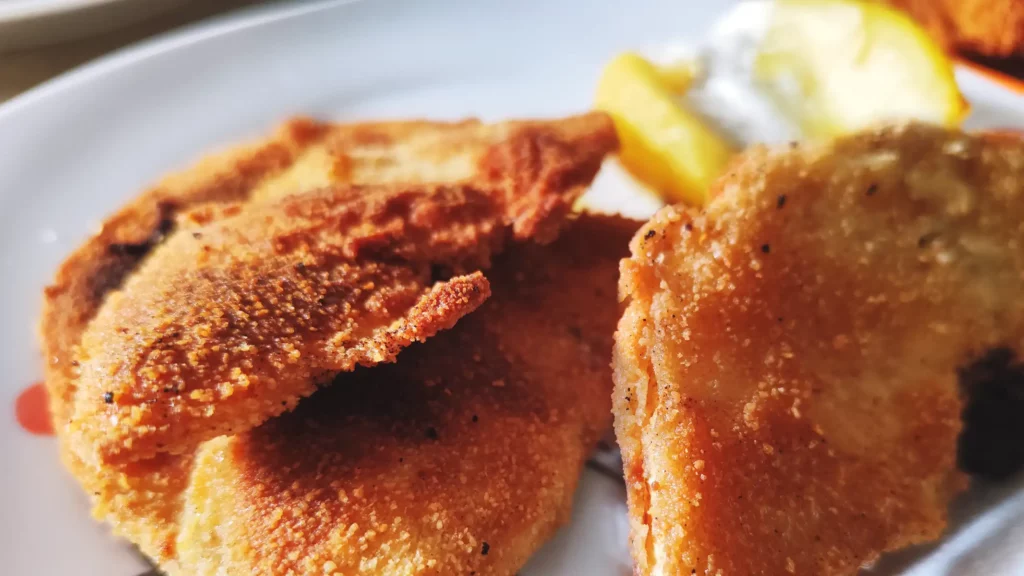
32 409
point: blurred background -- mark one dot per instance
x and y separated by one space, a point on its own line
40 39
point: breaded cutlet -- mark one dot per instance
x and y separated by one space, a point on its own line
302 155
491 183
790 370
243 308
461 458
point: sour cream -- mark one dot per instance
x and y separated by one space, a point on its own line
727 92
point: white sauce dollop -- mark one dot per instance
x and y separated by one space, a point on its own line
727 92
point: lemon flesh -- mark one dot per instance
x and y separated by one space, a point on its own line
802 68
838 66
662 143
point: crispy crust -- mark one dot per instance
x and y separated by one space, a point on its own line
224 330
102 263
786 370
461 458
132 497
140 498
227 237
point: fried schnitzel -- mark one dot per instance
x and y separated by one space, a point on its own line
244 294
461 458
300 156
535 169
787 395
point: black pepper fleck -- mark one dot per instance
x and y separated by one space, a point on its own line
766 248
485 549
432 433
781 201
108 397
475 418
197 235
650 234
872 189
927 239
688 226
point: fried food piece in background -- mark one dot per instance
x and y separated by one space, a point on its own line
993 28
461 458
787 395
538 161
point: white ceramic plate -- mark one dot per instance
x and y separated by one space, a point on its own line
74 149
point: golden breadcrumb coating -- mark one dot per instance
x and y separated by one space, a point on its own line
461 458
787 368
240 309
537 157
302 155
483 428
103 261
231 324
989 27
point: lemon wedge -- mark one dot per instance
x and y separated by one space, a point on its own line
772 72
662 143
678 75
838 66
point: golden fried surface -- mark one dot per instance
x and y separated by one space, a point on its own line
140 498
786 370
300 156
989 27
220 298
461 458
